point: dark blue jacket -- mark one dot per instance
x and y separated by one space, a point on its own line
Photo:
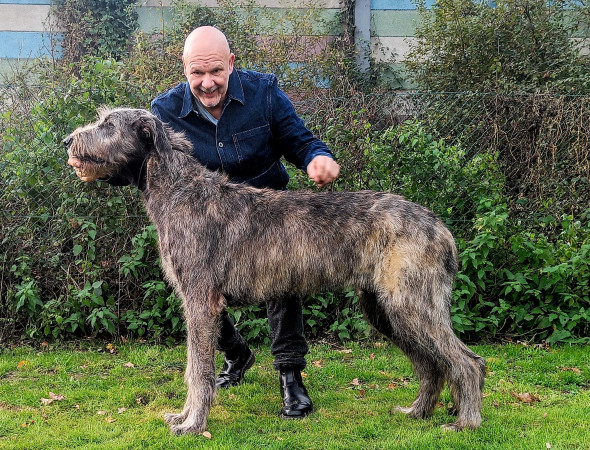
258 125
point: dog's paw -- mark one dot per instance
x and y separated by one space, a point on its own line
460 426
172 419
411 412
187 427
401 409
452 427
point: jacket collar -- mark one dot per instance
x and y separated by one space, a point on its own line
235 91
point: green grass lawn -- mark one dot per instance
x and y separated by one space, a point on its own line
534 399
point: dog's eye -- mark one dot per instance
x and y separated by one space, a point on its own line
108 124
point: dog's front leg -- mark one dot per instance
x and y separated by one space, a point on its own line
201 328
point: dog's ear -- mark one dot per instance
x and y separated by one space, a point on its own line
151 132
145 128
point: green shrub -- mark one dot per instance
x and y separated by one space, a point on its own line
80 259
510 45
94 27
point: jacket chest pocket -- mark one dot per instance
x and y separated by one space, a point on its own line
252 145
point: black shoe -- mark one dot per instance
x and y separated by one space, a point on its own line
233 370
296 402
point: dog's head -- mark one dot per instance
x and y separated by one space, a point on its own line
116 144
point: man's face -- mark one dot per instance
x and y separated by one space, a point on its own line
207 72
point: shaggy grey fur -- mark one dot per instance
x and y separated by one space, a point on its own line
221 241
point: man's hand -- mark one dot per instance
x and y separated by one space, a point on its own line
82 174
323 170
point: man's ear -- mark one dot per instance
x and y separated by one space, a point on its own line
232 57
184 68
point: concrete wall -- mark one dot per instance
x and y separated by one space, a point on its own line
385 26
25 29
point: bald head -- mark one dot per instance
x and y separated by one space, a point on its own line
205 39
208 63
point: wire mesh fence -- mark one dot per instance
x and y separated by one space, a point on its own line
64 241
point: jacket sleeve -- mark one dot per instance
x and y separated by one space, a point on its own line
299 144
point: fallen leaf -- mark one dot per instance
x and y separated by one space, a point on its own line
110 419
318 363
496 404
372 356
544 415
128 364
303 375
21 364
45 344
355 382
56 397
526 397
548 445
392 386
346 350
101 413
207 434
123 340
121 410
77 406
46 401
140 401
571 369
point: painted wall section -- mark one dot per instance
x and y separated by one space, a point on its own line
24 24
24 44
23 17
393 24
154 19
25 2
389 25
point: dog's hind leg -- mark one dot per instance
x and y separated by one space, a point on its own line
465 377
426 337
430 376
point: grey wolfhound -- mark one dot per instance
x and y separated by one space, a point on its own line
221 241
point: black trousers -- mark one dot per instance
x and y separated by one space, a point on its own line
285 318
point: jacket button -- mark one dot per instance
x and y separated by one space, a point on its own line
221 144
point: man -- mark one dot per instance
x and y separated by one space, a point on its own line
241 123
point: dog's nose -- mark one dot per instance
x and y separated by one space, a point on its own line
67 141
